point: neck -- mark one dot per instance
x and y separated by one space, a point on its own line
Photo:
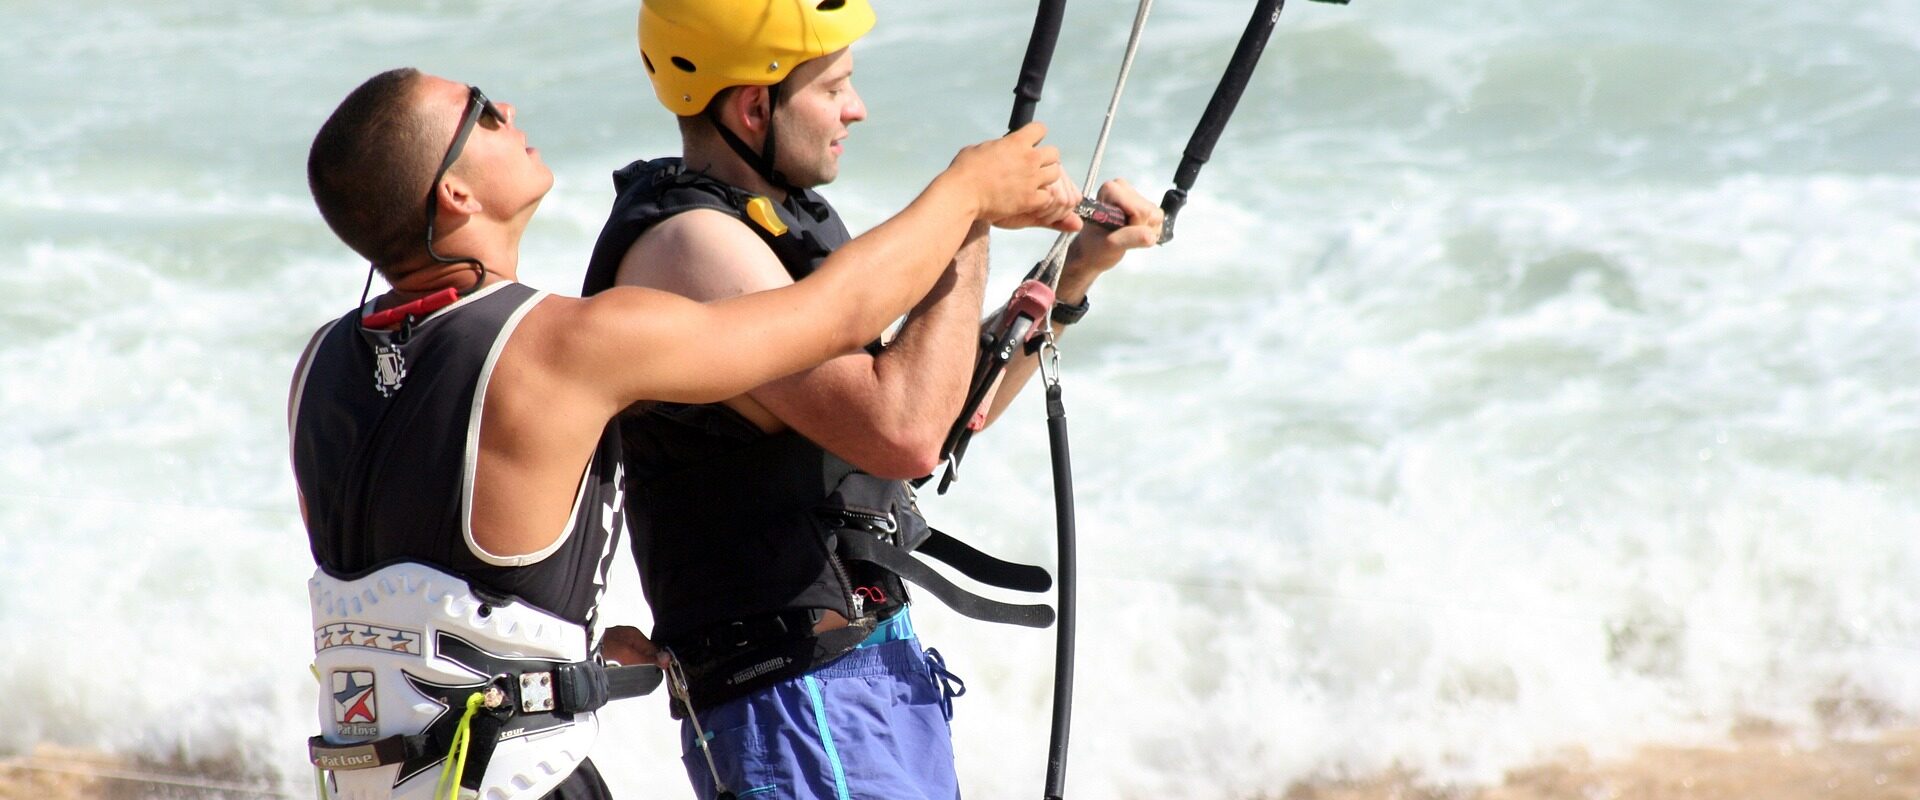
711 155
498 249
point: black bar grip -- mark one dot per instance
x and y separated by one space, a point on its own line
1033 69
1226 96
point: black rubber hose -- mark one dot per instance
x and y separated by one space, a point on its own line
1064 603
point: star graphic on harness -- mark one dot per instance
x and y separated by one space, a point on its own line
359 709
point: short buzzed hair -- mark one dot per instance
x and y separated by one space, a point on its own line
369 168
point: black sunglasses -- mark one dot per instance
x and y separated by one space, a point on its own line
477 104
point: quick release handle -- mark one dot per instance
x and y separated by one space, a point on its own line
1033 69
1018 323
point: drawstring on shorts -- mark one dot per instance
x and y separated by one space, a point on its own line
951 686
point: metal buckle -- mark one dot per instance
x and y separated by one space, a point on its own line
536 692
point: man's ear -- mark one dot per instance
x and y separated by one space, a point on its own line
748 105
455 197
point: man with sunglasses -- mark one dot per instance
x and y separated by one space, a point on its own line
774 530
457 472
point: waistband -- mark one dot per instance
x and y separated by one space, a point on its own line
896 628
888 658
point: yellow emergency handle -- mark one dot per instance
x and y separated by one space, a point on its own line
760 210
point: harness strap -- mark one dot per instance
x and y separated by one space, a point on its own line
585 686
454 769
860 547
367 755
717 674
982 567
632 680
567 689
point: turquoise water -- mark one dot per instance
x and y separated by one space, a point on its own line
1524 375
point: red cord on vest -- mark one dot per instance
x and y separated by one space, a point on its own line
421 307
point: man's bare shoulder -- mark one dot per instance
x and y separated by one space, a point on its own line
703 254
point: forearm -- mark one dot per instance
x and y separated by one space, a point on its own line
922 376
882 273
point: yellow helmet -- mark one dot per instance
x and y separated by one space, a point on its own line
695 48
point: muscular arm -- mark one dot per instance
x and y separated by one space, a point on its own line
885 414
575 363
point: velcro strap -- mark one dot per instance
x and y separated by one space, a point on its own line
633 680
982 567
861 547
483 736
586 686
581 686
365 755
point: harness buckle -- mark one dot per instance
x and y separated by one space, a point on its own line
536 692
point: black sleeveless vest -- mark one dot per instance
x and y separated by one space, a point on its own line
741 536
388 479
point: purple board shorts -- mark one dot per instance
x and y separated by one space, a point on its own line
870 725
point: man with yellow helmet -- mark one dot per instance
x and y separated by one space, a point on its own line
775 531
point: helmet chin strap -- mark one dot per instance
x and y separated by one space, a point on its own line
761 162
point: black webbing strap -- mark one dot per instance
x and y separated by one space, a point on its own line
578 687
982 567
734 660
861 547
367 755
632 680
483 735
588 685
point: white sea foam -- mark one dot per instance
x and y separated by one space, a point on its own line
1517 380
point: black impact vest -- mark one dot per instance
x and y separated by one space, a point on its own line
742 537
389 479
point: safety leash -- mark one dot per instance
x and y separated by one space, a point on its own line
455 766
678 687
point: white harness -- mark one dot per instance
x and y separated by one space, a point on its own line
399 650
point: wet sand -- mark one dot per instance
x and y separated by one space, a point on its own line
1756 766
58 773
1761 766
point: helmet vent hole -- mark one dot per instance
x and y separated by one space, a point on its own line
831 5
683 64
647 61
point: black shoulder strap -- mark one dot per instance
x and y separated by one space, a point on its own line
648 193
